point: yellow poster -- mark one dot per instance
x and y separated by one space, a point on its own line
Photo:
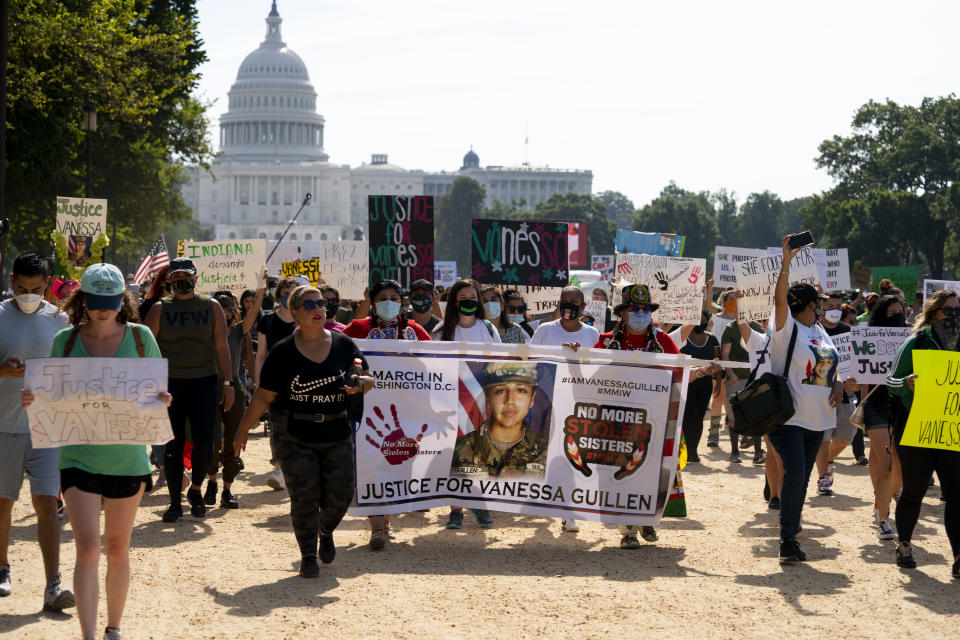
934 421
308 268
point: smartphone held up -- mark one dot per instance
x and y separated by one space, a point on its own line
802 239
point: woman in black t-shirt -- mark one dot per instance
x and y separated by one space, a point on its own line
305 381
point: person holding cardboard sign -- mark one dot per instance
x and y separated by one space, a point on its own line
937 328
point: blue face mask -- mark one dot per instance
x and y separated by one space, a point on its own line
388 310
492 308
283 299
638 320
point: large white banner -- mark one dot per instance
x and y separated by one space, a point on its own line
593 438
725 260
97 401
226 265
757 279
870 352
676 284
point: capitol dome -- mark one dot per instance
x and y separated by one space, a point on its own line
272 107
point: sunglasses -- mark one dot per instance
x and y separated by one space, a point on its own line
331 300
643 308
515 309
312 305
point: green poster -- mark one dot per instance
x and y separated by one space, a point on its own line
904 278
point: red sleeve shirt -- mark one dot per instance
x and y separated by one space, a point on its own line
358 328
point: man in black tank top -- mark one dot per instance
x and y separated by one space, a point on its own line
191 330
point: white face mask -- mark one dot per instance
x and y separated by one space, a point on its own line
515 318
833 315
29 302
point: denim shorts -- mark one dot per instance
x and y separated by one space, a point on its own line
18 457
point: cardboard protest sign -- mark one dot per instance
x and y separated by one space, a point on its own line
904 278
226 265
866 353
604 264
401 238
930 286
676 284
343 264
599 442
833 267
514 252
577 245
285 252
653 244
725 260
757 278
83 217
97 401
934 421
597 309
860 276
444 273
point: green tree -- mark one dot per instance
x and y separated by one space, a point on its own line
725 205
574 207
136 62
454 211
619 208
682 212
896 195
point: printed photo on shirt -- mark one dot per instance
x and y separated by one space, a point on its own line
504 419
822 371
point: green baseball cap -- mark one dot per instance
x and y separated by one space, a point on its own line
102 285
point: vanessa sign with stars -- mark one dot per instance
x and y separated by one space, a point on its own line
515 252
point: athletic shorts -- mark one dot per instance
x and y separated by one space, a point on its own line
113 487
18 457
845 430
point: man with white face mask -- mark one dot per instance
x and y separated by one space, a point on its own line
27 327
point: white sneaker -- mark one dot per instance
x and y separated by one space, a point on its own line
570 526
275 480
884 530
56 598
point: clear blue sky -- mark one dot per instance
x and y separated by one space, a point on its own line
708 94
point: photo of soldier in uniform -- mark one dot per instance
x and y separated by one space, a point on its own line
513 411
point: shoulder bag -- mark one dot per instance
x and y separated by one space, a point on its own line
764 403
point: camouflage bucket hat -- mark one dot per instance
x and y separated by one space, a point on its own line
636 295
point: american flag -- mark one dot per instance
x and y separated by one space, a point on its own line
155 260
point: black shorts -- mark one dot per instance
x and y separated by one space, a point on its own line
113 487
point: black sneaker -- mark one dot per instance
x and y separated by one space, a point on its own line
240 463
790 552
735 457
174 513
455 521
746 442
759 458
327 550
227 501
905 557
309 567
483 518
197 508
774 503
210 495
862 461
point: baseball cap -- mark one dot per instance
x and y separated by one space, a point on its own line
102 285
422 283
182 264
801 294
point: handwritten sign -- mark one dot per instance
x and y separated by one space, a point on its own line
227 265
539 300
757 278
401 238
860 275
654 244
97 401
444 273
309 269
833 268
725 260
676 284
904 278
81 216
604 264
934 421
514 252
867 353
931 286
596 309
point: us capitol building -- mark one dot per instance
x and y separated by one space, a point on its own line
272 154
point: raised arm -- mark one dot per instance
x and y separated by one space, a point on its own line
783 283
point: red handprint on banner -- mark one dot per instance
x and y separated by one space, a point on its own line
623 267
395 446
695 276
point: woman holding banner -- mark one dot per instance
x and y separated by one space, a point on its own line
114 474
306 382
937 327
465 320
389 322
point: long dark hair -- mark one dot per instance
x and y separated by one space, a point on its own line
878 318
451 316
76 308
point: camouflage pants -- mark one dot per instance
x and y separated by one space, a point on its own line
321 480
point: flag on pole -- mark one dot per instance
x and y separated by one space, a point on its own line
156 259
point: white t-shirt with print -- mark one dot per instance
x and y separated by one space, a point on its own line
477 333
754 345
809 384
552 334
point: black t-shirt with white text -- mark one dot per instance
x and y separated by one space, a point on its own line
309 388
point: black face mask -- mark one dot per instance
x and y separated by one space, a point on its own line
700 328
467 307
182 286
332 307
897 320
569 310
421 304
